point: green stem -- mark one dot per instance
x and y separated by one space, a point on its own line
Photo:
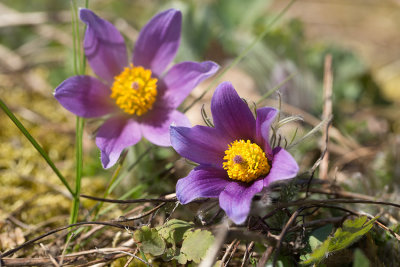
79 61
79 166
35 144
77 38
241 55
75 63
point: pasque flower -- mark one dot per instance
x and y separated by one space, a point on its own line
139 96
235 157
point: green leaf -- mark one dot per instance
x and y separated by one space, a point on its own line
351 231
196 244
316 238
173 230
182 259
319 235
149 240
314 242
360 260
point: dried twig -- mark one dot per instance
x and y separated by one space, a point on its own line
327 113
65 249
337 200
12 251
73 258
46 251
265 256
342 194
316 164
142 200
317 223
228 249
232 253
384 227
247 253
127 253
284 231
147 213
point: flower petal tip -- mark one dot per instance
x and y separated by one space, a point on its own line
158 41
106 162
86 14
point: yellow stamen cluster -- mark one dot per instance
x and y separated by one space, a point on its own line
245 161
134 90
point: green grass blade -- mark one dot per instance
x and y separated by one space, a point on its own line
35 144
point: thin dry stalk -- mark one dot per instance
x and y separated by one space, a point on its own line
265 256
73 258
228 250
341 194
65 248
327 112
232 253
46 251
285 229
247 253
384 227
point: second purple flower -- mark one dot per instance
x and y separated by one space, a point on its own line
139 95
235 158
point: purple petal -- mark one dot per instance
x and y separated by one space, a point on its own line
104 46
115 135
156 128
182 78
284 166
200 144
201 182
85 96
265 116
158 41
236 199
231 114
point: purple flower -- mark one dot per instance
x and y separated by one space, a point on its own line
235 157
139 96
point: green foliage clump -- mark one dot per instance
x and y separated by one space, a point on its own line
175 240
351 231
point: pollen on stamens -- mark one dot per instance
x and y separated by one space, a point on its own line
245 161
134 90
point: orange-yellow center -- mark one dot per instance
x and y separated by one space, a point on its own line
245 161
134 90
